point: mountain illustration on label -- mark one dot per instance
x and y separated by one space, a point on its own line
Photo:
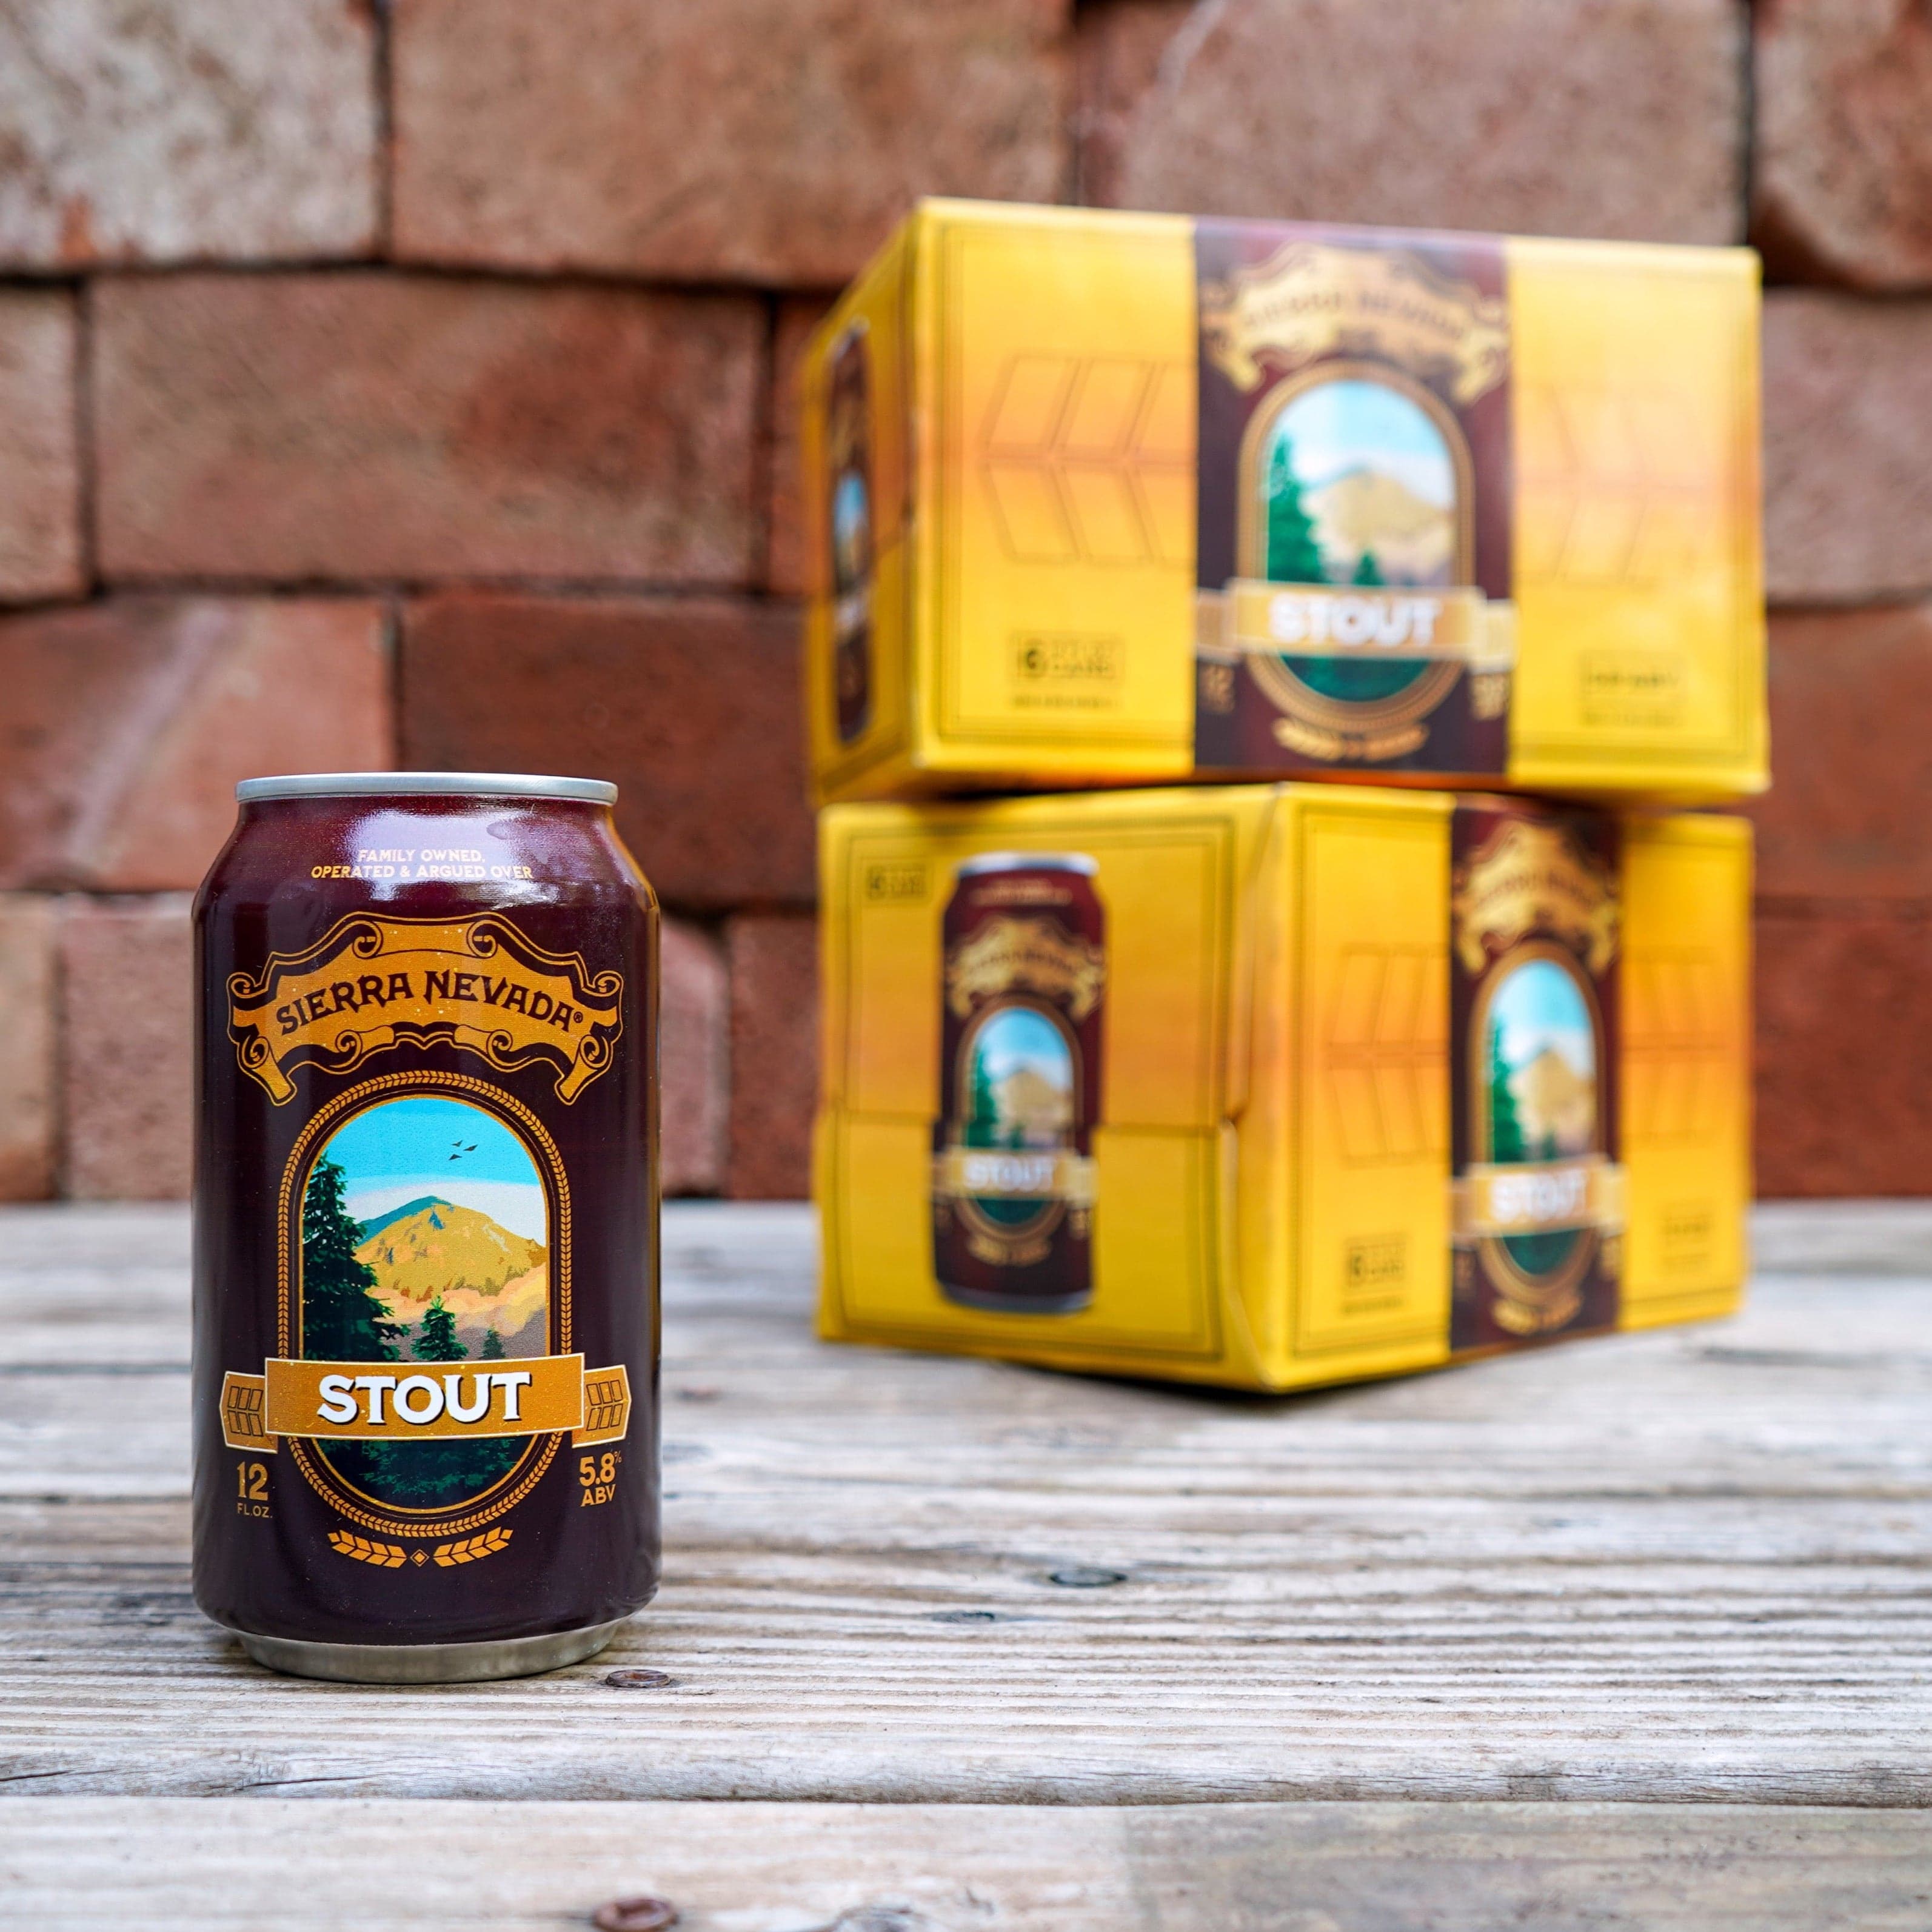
1375 527
1357 487
430 1252
1022 1082
1542 1066
1556 1105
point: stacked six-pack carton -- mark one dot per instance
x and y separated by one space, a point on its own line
1277 660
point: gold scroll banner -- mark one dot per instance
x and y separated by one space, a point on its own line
1035 953
1357 622
411 1402
477 982
1536 1198
1311 299
1533 877
1016 1174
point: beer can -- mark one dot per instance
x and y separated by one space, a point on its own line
1023 987
425 1226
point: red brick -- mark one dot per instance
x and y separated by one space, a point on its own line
1847 426
774 1055
127 724
127 1007
1844 1053
1614 118
39 468
224 129
29 1118
693 1056
691 705
787 566
303 427
1842 129
1848 816
769 141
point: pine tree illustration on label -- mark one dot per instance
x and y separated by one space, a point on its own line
851 531
425 1227
1538 1212
1022 994
1354 541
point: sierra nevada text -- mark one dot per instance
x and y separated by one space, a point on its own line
377 989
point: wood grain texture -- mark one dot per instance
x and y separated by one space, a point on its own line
1688 1564
1843 1237
170 1865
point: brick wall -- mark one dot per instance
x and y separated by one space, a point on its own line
408 383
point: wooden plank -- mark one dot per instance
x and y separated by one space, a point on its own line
101 1284
171 1866
1688 1565
1843 1237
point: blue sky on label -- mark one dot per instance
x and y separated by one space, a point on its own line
399 1150
1019 1037
1344 425
1539 1005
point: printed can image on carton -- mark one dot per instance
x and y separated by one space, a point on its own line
425 1227
849 527
1534 1005
1023 999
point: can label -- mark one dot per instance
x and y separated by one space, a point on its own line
1354 548
425 1378
1013 1178
1537 1195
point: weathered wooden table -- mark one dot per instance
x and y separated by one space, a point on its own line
1632 1633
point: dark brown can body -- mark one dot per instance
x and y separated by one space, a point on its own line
1022 995
426 1227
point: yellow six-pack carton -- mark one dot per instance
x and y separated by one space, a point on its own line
1099 498
1278 1085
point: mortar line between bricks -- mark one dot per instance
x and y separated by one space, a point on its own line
63 1123
1906 909
86 467
392 667
381 57
59 1153
1071 191
764 447
1748 117
1889 600
561 279
140 584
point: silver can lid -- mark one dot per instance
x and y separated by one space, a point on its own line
1029 862
425 784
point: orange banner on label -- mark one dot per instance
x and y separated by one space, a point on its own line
1017 1174
1537 1197
1320 620
399 1402
406 1402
